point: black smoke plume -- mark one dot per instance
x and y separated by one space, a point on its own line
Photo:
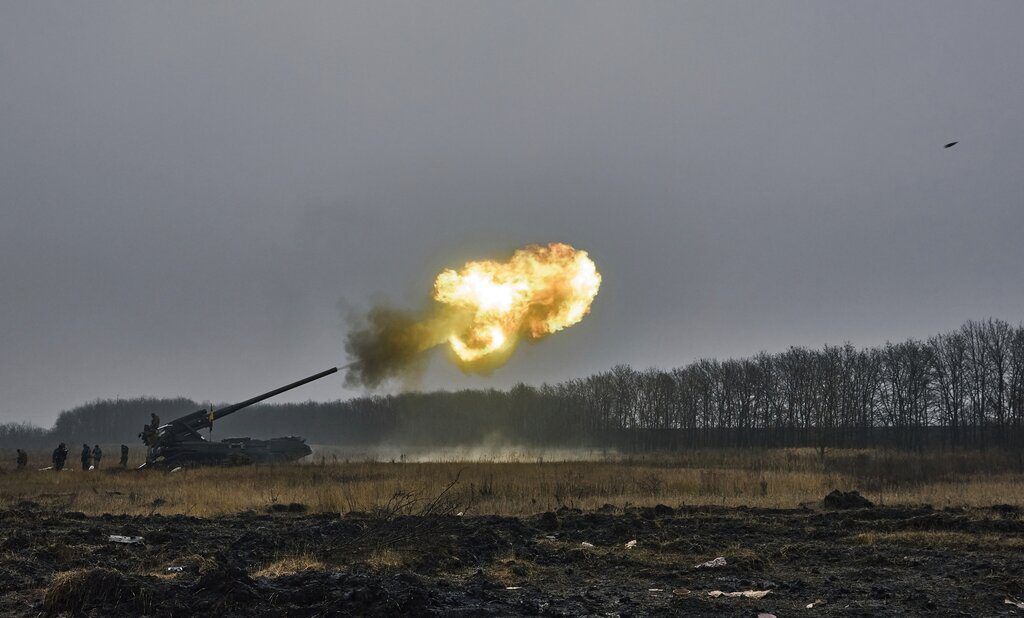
388 344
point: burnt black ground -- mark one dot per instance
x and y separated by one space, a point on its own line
452 565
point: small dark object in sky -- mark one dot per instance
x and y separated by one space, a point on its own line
951 144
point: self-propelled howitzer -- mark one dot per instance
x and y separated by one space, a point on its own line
179 443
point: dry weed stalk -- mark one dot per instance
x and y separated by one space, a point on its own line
398 526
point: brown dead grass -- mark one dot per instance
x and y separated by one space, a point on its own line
289 565
511 572
765 478
70 591
746 559
384 559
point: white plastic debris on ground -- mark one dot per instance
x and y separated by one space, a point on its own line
745 594
631 544
766 615
177 469
127 540
816 603
175 569
1017 604
587 545
512 587
711 564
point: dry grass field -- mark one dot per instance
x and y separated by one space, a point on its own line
524 485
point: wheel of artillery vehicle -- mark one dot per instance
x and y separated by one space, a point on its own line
238 459
185 460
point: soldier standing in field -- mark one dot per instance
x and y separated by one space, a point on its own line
86 456
22 459
124 456
97 455
149 435
60 455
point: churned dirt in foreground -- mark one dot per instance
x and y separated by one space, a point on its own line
880 561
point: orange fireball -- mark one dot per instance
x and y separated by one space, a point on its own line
538 291
481 310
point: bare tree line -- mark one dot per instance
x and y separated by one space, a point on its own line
963 389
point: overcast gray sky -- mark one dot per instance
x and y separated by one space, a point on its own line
192 193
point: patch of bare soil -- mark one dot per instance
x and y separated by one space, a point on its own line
843 561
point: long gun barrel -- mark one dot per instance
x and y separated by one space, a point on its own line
202 419
215 414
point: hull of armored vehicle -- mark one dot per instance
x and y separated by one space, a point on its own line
230 452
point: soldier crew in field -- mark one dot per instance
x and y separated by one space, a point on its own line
60 455
149 434
22 459
124 456
97 455
86 457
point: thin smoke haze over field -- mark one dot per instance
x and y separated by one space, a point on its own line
194 196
